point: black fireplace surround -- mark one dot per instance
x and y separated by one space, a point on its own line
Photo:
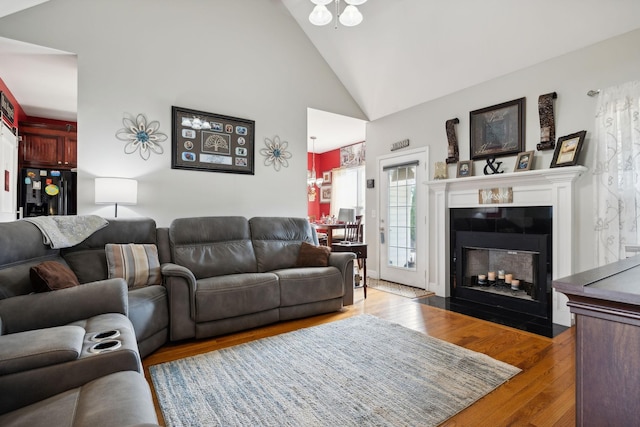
516 240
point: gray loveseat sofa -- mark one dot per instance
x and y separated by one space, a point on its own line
229 274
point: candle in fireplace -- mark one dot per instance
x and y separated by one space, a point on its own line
515 284
491 278
508 278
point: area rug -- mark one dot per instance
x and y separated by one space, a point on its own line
361 371
398 289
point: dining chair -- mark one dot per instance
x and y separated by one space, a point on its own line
345 216
352 230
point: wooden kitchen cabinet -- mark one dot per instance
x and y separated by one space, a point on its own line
48 147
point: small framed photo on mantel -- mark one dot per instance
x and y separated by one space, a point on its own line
465 169
524 161
568 149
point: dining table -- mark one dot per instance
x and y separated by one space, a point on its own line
328 229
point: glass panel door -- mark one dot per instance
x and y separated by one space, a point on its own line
403 251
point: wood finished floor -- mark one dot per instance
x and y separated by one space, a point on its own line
543 394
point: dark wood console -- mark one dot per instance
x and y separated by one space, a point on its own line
606 304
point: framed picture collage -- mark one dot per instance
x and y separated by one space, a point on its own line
212 142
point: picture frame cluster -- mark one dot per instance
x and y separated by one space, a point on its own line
498 131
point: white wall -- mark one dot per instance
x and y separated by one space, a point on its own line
609 63
242 58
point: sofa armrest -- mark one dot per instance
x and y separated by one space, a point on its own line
174 270
343 261
181 286
28 350
57 308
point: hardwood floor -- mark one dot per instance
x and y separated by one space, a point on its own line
543 394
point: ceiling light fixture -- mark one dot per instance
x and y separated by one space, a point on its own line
349 17
312 178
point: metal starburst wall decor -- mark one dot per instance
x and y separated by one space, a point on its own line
276 153
141 136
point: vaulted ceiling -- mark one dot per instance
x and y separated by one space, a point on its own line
404 53
407 52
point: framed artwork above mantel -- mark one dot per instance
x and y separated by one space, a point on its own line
498 130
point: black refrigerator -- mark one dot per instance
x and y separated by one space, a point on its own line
47 192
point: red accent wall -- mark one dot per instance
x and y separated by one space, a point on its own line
324 162
18 111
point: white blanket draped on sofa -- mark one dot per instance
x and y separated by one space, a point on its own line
67 231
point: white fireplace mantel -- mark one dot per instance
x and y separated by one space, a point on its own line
547 187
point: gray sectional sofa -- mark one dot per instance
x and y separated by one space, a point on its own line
219 275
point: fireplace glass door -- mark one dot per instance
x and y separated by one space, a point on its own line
503 270
499 271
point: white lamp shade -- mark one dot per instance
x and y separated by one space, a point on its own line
122 191
355 2
322 2
351 16
320 15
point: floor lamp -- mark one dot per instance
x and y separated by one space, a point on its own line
122 191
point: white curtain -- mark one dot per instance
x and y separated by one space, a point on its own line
347 189
617 168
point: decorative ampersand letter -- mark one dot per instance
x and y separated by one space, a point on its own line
492 167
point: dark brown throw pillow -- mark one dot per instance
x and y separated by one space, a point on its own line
313 256
51 276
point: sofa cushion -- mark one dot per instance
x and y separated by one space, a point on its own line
313 256
212 246
15 263
137 264
308 285
31 243
51 276
276 240
148 311
236 295
40 347
88 260
115 400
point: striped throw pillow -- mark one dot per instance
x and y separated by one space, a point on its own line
137 264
